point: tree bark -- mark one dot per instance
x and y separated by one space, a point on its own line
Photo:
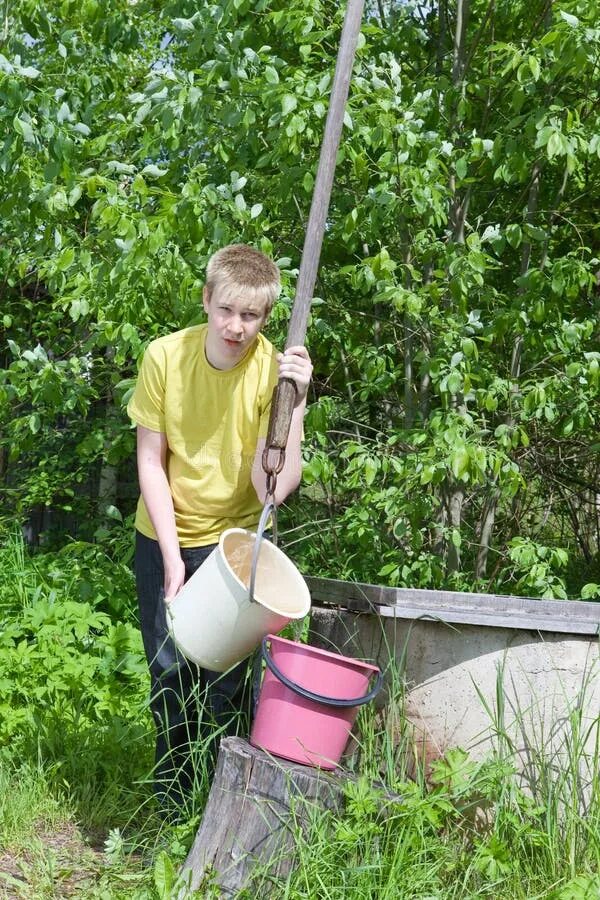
486 528
454 493
490 505
460 32
255 805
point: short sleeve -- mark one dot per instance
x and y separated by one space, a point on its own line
147 404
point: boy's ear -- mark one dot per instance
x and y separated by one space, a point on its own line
205 298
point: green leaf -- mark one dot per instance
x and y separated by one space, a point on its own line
164 876
371 468
308 182
64 113
114 165
573 21
461 167
539 311
24 129
271 75
35 423
535 232
514 235
75 195
78 309
142 112
66 259
238 182
459 462
152 171
554 144
184 26
256 210
534 66
454 382
427 474
469 347
288 103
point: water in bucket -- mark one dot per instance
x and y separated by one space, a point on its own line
212 619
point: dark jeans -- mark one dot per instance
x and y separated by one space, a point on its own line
192 707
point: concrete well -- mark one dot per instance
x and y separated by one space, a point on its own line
480 671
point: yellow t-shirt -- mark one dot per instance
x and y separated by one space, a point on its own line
212 419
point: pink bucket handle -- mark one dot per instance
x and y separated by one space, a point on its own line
310 695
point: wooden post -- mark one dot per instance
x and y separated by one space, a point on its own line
285 392
251 816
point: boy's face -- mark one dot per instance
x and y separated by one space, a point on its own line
233 324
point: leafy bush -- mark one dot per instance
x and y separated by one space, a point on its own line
65 668
73 681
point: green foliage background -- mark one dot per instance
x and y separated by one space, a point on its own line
452 436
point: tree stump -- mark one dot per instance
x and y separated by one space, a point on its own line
252 814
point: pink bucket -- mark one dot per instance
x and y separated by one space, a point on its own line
294 719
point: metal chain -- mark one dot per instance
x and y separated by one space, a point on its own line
272 471
267 466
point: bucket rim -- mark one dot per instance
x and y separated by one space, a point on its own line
286 614
315 697
317 651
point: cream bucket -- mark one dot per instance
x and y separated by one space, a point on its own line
213 620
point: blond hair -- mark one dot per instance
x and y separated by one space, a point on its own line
240 268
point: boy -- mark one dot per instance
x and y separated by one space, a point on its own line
201 406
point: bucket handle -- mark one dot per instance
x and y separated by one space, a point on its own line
310 695
269 508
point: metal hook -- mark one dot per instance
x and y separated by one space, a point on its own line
268 508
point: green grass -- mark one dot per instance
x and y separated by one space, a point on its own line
26 805
77 815
464 828
471 829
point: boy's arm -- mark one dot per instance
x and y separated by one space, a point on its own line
294 364
156 493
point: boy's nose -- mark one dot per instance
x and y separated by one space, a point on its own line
235 325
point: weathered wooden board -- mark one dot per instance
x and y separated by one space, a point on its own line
460 608
251 815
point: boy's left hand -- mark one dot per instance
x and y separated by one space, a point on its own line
295 364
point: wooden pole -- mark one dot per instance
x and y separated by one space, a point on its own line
284 395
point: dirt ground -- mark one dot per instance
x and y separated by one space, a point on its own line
57 864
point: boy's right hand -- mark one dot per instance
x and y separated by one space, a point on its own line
174 578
